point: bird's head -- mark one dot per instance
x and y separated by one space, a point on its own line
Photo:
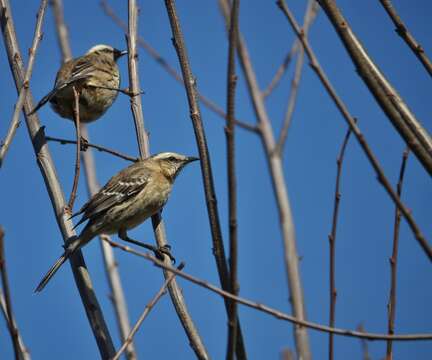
172 163
106 50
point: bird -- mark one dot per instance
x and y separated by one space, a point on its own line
129 198
95 76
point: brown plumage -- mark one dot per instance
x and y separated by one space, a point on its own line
93 75
128 199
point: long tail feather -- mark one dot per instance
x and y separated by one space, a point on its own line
44 100
52 271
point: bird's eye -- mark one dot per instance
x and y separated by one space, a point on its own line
172 158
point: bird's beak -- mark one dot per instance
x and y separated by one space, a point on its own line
191 158
120 53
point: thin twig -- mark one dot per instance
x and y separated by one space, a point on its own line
170 70
4 147
287 354
85 145
25 355
397 111
281 194
269 310
78 149
49 174
311 11
332 241
13 331
281 69
403 32
393 260
158 225
206 168
146 311
232 179
358 134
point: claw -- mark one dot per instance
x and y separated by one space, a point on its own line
164 250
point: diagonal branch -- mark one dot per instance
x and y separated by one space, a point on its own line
271 311
311 11
170 70
408 126
281 194
206 168
158 225
358 134
48 171
4 147
403 32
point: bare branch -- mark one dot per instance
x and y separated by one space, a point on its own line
85 145
78 149
394 258
411 130
170 70
269 310
4 147
403 32
48 171
358 134
146 311
332 241
158 225
281 194
206 168
62 31
311 11
232 179
13 331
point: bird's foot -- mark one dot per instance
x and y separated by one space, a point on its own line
164 250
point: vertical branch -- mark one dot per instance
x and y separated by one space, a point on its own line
78 149
403 32
158 224
393 260
232 180
408 126
48 171
364 344
62 30
13 331
281 194
332 242
206 169
111 267
310 14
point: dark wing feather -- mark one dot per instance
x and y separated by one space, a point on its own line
119 188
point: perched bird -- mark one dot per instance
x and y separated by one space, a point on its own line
129 198
96 78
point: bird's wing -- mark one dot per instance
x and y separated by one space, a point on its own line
81 69
119 189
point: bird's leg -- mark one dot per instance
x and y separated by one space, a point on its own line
158 251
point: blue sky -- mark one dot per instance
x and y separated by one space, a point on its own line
53 323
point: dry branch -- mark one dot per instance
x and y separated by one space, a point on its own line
281 194
332 241
206 168
394 258
158 225
4 147
403 32
408 126
48 171
358 134
269 310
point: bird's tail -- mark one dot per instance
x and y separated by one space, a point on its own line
52 271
